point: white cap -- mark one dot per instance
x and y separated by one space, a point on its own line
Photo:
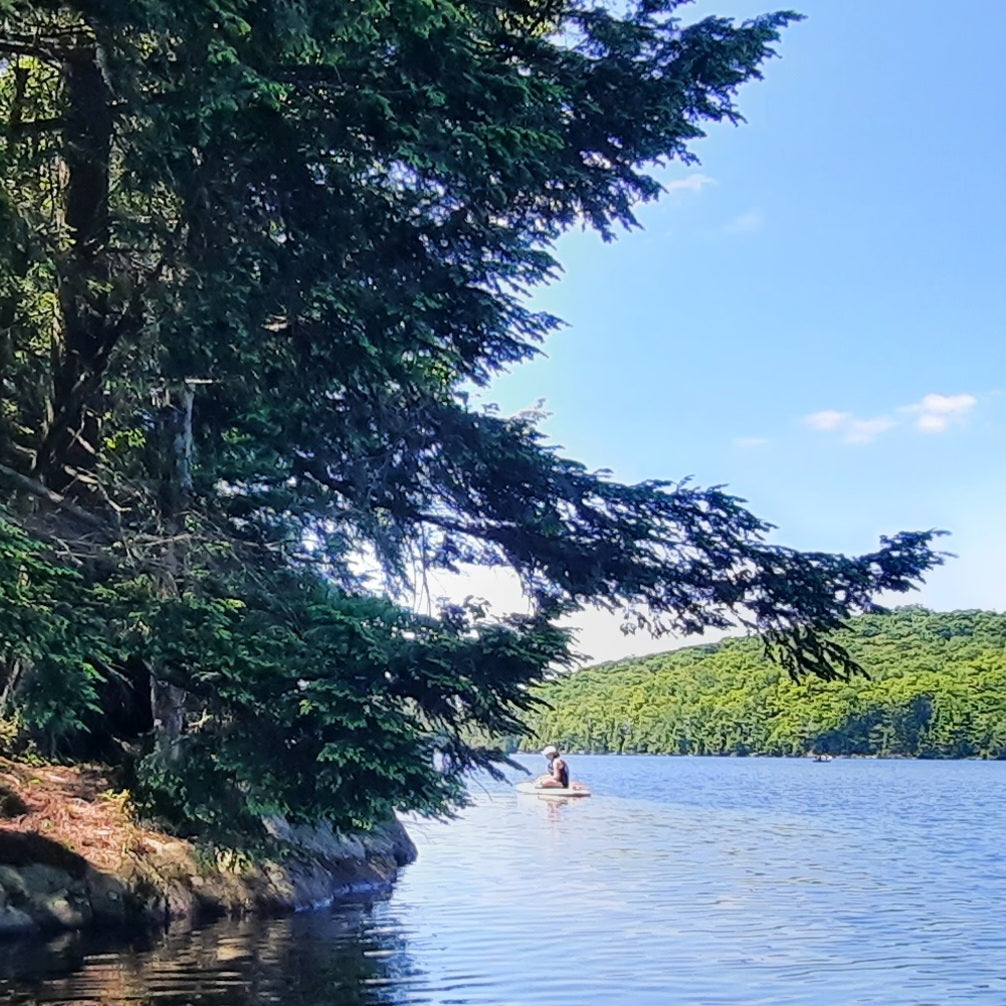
550 750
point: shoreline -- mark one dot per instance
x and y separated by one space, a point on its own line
71 858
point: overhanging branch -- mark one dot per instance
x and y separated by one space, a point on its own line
50 496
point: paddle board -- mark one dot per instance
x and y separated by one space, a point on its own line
577 789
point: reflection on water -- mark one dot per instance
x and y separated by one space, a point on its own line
345 956
692 881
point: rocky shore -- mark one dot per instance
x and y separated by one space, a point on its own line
71 858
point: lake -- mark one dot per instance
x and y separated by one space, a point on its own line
681 880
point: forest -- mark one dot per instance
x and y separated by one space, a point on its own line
934 687
254 257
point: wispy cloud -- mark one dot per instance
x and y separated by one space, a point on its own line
934 413
695 182
747 222
828 419
749 443
865 431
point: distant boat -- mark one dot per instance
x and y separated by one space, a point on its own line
824 757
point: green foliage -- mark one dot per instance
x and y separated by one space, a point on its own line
252 256
52 639
314 704
936 689
301 700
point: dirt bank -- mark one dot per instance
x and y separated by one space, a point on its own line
71 857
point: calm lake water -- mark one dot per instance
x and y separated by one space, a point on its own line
681 880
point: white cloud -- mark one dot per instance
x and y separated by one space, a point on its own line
945 403
828 419
747 443
745 223
695 182
936 413
929 422
853 430
933 413
864 431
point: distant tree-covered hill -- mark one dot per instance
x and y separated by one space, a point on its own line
936 689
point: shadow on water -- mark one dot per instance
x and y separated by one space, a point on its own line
343 956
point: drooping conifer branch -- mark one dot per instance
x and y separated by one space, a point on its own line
333 215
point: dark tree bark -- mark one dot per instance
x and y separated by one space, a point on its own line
68 451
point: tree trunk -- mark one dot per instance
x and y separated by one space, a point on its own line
11 669
68 451
175 454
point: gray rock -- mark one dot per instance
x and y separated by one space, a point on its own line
62 909
14 922
39 878
169 884
12 883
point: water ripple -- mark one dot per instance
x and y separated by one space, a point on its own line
691 881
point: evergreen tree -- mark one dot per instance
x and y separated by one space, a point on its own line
251 256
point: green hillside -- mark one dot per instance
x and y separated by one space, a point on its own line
936 689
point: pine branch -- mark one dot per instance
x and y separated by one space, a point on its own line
50 496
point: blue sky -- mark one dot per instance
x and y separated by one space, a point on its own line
814 315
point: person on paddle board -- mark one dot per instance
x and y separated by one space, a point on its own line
557 776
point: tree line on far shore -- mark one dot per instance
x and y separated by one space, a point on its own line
936 688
